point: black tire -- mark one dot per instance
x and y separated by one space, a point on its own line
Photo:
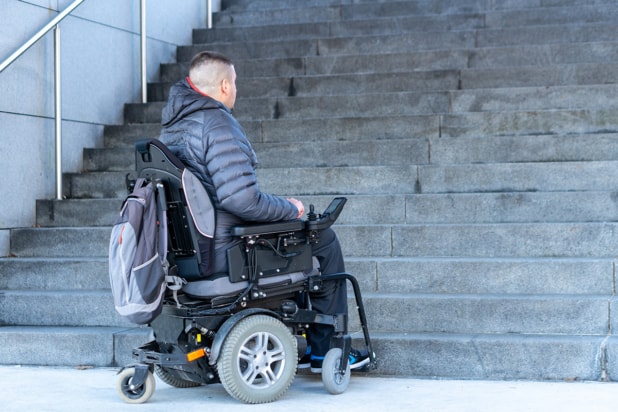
258 360
131 394
334 381
172 380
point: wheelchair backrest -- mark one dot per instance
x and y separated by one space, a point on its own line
189 209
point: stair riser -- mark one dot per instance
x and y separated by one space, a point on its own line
54 274
385 275
337 46
77 213
392 152
514 177
518 177
503 17
37 308
495 357
505 66
325 86
455 276
525 240
368 153
430 356
101 347
428 126
588 240
375 26
397 209
396 100
487 314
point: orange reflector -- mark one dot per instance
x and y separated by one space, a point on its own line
200 353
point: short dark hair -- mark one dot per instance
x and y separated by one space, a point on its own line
207 57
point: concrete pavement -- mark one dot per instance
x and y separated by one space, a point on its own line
24 388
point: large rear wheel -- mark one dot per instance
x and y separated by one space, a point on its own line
258 360
171 379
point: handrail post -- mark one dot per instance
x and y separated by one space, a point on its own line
143 50
58 112
210 14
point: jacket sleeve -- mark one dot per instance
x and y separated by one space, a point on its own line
230 161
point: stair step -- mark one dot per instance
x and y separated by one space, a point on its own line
502 101
352 85
522 149
502 17
550 314
494 356
74 308
54 273
514 207
61 242
301 154
438 208
121 135
604 12
430 125
98 185
587 239
529 123
419 6
486 36
553 60
333 12
413 41
476 276
344 28
78 212
426 179
488 314
459 82
506 177
72 346
492 240
393 152
517 177
514 240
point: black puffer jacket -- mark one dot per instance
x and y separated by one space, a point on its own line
206 137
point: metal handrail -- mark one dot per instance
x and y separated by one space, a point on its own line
54 24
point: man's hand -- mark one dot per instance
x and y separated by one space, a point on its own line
299 205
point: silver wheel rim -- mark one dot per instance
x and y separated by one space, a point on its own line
261 360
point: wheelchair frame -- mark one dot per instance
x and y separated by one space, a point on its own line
195 335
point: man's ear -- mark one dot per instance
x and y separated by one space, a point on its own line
225 87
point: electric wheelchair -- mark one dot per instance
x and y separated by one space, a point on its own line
246 330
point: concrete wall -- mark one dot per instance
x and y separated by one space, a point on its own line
100 72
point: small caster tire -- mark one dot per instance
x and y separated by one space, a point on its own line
132 394
334 381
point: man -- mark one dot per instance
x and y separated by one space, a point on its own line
199 128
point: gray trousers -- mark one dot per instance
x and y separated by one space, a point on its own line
332 299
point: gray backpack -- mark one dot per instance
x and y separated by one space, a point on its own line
137 255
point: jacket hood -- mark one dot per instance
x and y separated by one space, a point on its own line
183 101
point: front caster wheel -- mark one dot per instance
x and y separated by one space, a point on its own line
333 379
131 393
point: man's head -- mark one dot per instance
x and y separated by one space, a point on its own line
213 74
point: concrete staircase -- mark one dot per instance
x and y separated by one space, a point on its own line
476 141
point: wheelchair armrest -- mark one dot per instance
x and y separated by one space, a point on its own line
268 228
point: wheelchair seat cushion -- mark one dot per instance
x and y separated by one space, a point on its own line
217 286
